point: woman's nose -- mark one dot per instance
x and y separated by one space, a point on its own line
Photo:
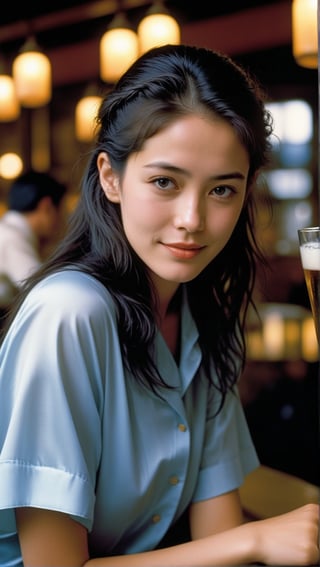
190 215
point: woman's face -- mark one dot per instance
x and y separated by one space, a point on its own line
181 196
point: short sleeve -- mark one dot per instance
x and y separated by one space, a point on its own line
51 392
229 453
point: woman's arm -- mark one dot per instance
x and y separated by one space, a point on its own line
49 538
215 515
52 539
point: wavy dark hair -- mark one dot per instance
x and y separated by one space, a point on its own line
163 85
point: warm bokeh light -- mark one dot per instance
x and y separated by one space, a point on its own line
9 104
284 332
305 32
32 78
85 115
157 29
119 48
11 165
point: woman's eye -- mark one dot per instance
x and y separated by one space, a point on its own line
223 191
164 183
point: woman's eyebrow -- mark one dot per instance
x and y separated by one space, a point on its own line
167 166
231 175
175 169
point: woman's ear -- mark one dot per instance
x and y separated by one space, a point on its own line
109 180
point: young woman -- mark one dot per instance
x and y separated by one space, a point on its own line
120 418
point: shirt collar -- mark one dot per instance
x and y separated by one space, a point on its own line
180 375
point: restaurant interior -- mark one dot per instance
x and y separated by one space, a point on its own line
277 42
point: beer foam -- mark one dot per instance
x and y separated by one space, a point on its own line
310 256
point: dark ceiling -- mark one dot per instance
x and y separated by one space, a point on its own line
189 10
59 23
63 21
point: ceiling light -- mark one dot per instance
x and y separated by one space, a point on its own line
305 32
11 165
157 28
85 116
118 49
9 104
32 75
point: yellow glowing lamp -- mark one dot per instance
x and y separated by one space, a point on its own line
119 48
305 32
11 165
158 28
32 76
9 104
85 116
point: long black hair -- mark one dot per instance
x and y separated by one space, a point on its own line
163 85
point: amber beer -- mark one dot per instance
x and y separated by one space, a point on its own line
310 258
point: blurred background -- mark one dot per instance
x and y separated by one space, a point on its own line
53 131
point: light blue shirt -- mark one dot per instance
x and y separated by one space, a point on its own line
79 435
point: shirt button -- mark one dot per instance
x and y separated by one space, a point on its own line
173 480
182 427
156 518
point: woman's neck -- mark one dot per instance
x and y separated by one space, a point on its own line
166 294
170 324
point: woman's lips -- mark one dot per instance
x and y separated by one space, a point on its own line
183 251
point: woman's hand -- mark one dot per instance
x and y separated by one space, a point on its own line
289 539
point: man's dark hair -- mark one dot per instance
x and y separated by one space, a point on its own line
29 188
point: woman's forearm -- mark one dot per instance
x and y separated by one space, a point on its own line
289 539
53 539
233 547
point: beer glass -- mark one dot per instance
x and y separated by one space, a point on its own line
309 241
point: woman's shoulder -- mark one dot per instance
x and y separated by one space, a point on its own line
72 291
74 277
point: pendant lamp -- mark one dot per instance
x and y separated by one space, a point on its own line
11 165
9 104
118 49
157 28
85 114
32 75
305 32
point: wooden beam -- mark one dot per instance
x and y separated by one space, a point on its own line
243 32
64 18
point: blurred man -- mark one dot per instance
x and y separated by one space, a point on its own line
33 220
